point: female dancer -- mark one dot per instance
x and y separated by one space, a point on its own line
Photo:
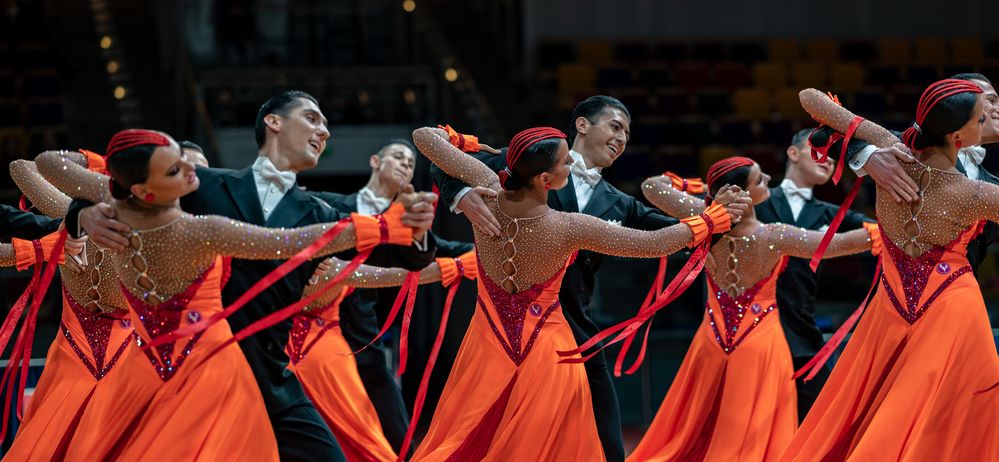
733 398
507 397
917 380
194 398
321 358
96 334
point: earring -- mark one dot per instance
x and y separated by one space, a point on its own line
548 186
958 143
149 197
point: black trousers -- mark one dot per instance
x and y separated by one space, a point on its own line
302 435
386 396
606 410
808 391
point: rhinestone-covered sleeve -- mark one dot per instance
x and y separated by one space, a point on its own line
225 236
435 144
367 277
987 200
63 170
797 242
660 192
47 198
826 111
591 233
7 257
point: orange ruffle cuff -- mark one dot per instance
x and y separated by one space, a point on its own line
466 143
687 185
26 254
452 269
384 228
714 220
95 161
875 231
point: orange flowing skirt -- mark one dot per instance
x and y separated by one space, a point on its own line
328 373
539 410
188 408
911 392
738 406
80 362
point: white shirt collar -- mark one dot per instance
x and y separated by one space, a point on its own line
577 157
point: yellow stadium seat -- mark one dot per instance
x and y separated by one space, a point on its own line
847 77
770 75
808 74
784 50
895 51
823 50
751 103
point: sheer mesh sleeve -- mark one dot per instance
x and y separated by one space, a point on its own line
225 236
824 110
798 242
434 143
7 258
63 170
660 192
41 193
366 277
987 200
591 233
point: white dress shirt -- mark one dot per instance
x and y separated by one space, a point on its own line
272 184
369 203
584 181
970 158
796 197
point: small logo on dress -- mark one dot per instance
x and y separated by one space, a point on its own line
943 268
535 309
125 323
320 322
193 317
756 308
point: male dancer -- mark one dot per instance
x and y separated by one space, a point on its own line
291 133
792 202
602 125
391 170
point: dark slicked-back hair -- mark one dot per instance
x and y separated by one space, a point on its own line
381 149
279 104
190 145
971 76
592 107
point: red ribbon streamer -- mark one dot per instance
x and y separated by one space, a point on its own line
421 394
258 287
407 316
837 220
813 366
408 287
854 124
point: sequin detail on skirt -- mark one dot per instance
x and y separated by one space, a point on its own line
97 328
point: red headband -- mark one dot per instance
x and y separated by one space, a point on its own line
523 140
726 165
936 92
131 138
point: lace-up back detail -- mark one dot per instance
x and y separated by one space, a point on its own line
736 264
948 203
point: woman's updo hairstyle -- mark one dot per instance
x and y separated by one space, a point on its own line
944 108
531 153
128 155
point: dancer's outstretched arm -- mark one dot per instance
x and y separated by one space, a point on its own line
797 242
67 171
660 192
435 144
42 194
825 110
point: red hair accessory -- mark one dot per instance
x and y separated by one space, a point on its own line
131 138
724 166
933 94
523 140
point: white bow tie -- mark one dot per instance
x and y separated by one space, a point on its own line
803 193
284 180
374 202
591 176
975 153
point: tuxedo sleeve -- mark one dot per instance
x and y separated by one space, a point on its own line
446 248
25 225
73 217
450 187
641 216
